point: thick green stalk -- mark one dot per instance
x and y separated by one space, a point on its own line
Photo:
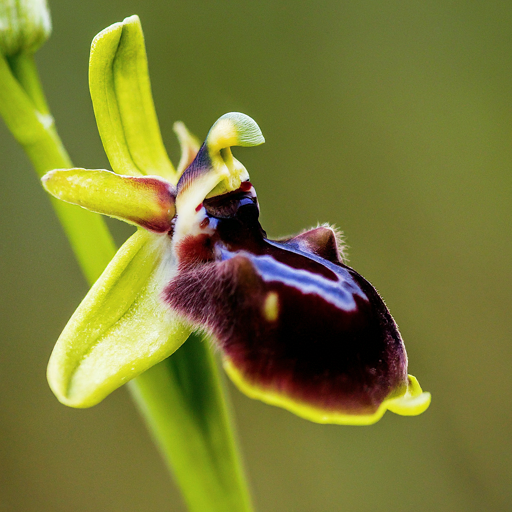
181 398
187 386
35 131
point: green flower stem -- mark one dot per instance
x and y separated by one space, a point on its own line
35 131
24 70
181 398
187 386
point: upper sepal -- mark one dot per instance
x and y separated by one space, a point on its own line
121 328
146 201
123 103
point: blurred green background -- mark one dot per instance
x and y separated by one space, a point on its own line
392 120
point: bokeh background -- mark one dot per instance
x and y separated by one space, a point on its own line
392 120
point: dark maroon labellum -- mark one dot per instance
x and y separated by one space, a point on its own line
289 315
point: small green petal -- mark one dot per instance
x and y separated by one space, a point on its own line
189 145
123 104
121 328
146 201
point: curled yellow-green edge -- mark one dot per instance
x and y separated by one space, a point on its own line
412 402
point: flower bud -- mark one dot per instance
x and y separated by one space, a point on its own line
24 26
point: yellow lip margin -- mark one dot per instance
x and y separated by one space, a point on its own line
412 402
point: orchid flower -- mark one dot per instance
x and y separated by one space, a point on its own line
295 326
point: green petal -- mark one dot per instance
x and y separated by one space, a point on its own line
189 145
144 201
123 104
121 328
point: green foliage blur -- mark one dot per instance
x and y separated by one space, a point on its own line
392 120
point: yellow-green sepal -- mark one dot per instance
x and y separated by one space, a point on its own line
121 328
123 103
410 402
146 201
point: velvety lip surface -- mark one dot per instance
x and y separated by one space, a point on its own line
289 320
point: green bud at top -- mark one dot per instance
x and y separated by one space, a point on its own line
24 26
